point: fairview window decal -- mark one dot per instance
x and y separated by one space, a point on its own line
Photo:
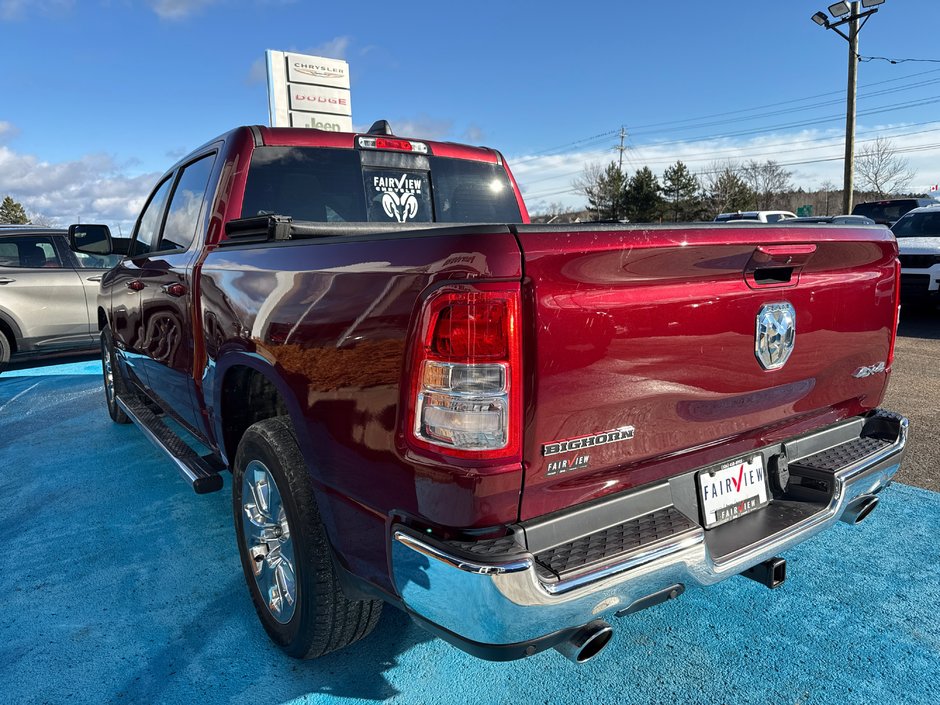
398 196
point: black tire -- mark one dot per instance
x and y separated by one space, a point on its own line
323 619
6 349
112 380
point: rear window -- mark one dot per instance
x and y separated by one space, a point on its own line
918 225
341 185
885 211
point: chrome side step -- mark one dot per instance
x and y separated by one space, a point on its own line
202 473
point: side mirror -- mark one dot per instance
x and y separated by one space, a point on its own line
91 239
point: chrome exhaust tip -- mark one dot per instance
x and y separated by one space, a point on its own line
859 509
587 642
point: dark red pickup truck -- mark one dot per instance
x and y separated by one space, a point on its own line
512 432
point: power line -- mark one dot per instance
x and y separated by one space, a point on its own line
711 154
787 111
608 133
896 61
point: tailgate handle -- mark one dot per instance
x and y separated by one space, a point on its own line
777 266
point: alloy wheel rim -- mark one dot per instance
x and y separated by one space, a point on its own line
267 538
108 374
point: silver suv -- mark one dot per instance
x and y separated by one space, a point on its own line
48 294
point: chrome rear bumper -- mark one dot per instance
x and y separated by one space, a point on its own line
507 600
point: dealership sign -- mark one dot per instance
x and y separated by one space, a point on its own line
308 91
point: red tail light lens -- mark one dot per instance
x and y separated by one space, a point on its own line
475 328
466 391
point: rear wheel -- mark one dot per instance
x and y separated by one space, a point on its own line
110 371
5 350
284 550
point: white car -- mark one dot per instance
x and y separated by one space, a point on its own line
918 234
757 216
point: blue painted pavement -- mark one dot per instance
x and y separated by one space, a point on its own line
120 585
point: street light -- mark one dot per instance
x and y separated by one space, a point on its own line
847 14
839 9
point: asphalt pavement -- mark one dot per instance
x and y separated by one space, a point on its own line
914 391
120 585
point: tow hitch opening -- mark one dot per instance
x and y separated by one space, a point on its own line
771 573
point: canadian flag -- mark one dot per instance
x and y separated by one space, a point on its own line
935 187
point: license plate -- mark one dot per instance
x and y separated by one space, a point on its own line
732 489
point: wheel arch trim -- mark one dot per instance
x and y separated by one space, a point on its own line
215 387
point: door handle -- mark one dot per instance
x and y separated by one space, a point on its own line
135 285
6 280
96 278
777 266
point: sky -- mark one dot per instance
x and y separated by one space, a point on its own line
99 97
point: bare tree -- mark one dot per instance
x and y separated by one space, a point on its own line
832 195
43 221
881 170
768 180
725 189
604 188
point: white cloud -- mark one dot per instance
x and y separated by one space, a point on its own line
7 130
422 127
258 73
474 134
93 188
178 9
335 48
17 9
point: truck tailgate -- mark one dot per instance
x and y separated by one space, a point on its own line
654 328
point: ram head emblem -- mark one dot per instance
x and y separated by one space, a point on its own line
401 208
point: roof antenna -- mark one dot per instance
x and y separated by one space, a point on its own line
380 127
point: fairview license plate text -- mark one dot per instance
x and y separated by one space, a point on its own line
733 489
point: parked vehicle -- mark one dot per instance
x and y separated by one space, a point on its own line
918 234
833 219
513 432
887 212
759 216
48 294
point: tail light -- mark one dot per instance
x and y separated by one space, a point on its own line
897 311
466 384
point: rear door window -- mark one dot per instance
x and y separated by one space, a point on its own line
29 252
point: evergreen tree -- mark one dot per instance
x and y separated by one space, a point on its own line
12 212
681 193
727 192
643 197
604 191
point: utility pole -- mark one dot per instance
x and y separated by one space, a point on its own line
850 91
849 14
614 207
621 149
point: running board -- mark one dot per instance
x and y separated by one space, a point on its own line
202 473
